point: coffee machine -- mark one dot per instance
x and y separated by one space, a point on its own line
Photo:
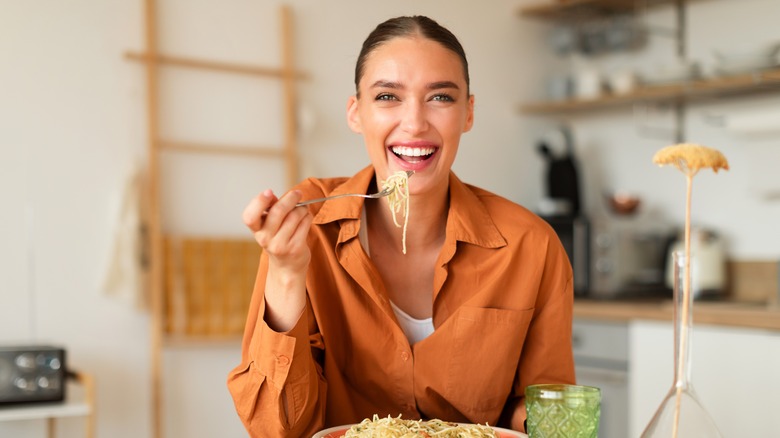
562 208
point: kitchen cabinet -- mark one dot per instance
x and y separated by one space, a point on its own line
733 370
735 355
601 360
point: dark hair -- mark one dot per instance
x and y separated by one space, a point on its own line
407 27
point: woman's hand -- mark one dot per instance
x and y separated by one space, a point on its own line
281 228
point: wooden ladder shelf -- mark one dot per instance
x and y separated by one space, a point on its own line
165 277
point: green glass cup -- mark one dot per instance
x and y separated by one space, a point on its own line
562 411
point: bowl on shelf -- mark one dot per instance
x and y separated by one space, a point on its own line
675 72
623 203
742 61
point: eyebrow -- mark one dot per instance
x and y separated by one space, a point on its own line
432 86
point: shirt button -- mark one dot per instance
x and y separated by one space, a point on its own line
404 356
283 360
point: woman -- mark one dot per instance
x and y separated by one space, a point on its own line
343 325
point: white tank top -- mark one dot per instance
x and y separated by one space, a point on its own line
415 329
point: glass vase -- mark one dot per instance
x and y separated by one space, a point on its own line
680 414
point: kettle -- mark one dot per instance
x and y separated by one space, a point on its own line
708 263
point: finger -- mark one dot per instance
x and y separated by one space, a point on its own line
290 199
277 213
282 240
301 232
255 210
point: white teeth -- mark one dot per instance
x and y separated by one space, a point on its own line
412 152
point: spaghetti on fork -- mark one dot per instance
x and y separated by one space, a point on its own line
398 199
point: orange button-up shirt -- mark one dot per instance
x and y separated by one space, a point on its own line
502 312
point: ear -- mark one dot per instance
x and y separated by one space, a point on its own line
353 116
470 115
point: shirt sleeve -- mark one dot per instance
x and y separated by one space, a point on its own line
278 389
547 356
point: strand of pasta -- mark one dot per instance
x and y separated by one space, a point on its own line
399 199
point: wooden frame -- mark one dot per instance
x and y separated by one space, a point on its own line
153 60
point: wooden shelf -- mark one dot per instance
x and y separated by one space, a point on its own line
688 91
562 10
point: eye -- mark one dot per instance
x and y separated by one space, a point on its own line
443 97
385 96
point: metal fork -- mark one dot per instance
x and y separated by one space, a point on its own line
381 194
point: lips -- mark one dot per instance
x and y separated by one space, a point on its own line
413 154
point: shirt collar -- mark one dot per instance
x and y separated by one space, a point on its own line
468 220
346 208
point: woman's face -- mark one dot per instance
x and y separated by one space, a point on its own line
413 108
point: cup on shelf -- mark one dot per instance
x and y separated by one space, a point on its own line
622 82
559 87
588 84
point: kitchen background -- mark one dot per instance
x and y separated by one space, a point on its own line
74 135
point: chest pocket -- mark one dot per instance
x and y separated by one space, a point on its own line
485 352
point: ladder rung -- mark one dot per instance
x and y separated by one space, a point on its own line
206 148
215 65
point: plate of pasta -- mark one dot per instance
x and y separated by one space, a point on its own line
395 427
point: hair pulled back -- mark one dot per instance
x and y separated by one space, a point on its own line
408 26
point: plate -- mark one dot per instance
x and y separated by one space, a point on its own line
339 431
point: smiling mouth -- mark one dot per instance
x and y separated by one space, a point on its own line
413 155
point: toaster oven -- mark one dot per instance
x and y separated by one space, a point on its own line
574 234
32 374
629 261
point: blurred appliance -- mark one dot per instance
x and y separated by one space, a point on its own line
561 179
629 261
561 206
32 374
708 265
574 233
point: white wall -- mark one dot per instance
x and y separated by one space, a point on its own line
68 129
73 125
73 122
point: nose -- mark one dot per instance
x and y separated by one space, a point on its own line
414 119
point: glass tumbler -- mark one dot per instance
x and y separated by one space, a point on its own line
562 411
